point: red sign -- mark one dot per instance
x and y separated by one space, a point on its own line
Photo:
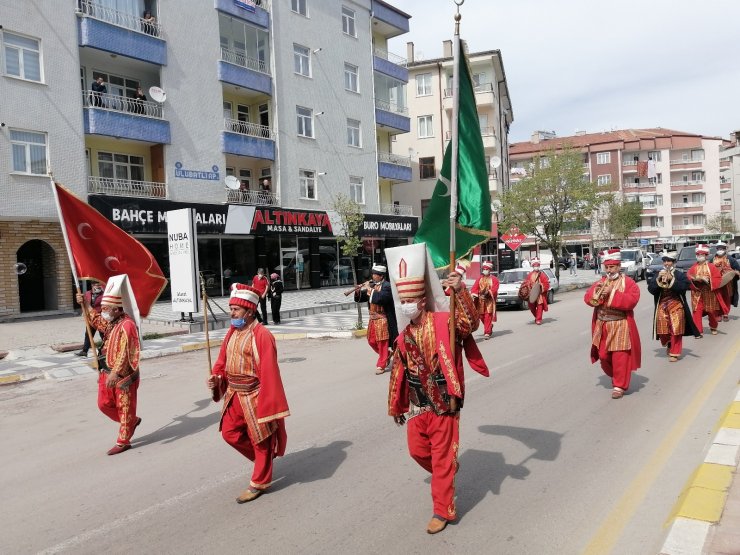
514 238
268 221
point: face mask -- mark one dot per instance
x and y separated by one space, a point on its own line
612 275
410 310
486 272
107 316
701 258
97 290
238 322
721 252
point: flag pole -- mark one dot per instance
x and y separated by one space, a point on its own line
454 180
204 296
90 334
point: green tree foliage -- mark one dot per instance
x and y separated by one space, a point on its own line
623 217
721 222
348 236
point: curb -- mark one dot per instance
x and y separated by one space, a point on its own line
700 505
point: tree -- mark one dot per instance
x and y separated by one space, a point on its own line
623 216
554 192
721 222
348 236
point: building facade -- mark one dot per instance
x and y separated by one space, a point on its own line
258 125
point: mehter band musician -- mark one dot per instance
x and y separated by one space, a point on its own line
382 329
534 288
705 280
729 270
485 291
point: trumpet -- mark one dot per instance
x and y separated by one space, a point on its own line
666 278
356 288
598 293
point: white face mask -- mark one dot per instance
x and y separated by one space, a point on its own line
721 252
536 268
107 316
701 258
614 275
410 310
486 272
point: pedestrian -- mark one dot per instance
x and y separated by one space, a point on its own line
93 299
262 284
526 265
98 90
381 329
536 301
671 317
276 296
485 292
615 341
706 300
247 376
573 264
427 388
597 264
118 364
728 291
227 277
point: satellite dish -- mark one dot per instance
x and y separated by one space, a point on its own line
20 268
232 182
495 162
157 94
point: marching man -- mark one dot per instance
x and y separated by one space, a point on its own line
705 280
615 341
247 376
382 329
485 291
729 270
535 279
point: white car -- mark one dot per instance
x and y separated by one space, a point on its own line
510 280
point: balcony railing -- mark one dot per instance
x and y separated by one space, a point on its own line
247 128
107 101
483 87
484 132
675 162
247 196
127 20
390 158
726 203
690 182
241 59
630 163
391 107
125 187
640 185
396 209
645 228
391 57
686 204
689 226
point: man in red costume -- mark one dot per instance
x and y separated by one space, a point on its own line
382 329
485 291
246 374
118 363
427 380
615 340
536 277
705 279
727 265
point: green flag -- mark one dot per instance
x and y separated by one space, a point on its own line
473 225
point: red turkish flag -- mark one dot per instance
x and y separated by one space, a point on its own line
100 249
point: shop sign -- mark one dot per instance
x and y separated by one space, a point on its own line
182 240
212 175
273 221
385 225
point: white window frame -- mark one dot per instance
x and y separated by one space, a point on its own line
245 179
301 60
306 180
697 155
27 145
654 154
351 78
21 56
354 134
423 166
304 122
603 157
348 22
604 179
357 183
120 160
300 7
424 84
425 126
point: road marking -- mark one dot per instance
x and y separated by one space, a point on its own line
609 532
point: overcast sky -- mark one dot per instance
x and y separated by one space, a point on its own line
594 65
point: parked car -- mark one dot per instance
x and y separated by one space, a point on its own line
508 291
655 266
634 263
687 256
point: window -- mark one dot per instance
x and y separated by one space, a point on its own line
479 79
699 219
697 176
22 57
424 84
301 60
245 179
603 157
654 155
305 121
348 22
698 197
266 173
656 221
426 168
604 179
424 126
357 190
299 6
351 82
353 132
227 109
29 152
697 155
242 113
121 166
307 180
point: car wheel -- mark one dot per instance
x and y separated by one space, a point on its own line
550 296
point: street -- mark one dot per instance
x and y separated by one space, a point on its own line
549 463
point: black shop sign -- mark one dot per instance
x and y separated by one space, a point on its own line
385 225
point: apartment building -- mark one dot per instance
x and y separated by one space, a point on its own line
729 156
675 175
430 110
254 113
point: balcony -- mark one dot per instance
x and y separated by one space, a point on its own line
726 206
687 208
124 118
396 209
484 95
725 185
695 228
393 116
252 198
682 186
684 165
125 187
646 186
247 139
388 21
118 32
390 64
646 229
236 68
253 11
394 167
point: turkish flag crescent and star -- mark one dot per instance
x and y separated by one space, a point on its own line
100 249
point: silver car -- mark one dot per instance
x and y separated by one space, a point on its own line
511 280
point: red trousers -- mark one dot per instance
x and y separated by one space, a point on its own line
536 310
235 432
615 364
676 342
726 293
698 317
120 406
433 441
380 347
487 319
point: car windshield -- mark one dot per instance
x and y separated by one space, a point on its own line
512 277
629 255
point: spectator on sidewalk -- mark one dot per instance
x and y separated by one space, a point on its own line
276 296
93 299
262 284
573 264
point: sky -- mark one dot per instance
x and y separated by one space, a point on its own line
595 65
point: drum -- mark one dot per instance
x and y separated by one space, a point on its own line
534 293
727 278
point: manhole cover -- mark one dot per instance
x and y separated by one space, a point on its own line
289 360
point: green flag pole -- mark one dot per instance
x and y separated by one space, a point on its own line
454 176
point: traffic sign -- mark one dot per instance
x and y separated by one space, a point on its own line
644 242
513 238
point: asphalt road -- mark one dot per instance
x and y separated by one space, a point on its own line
549 462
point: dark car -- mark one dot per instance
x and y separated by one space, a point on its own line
655 266
687 257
